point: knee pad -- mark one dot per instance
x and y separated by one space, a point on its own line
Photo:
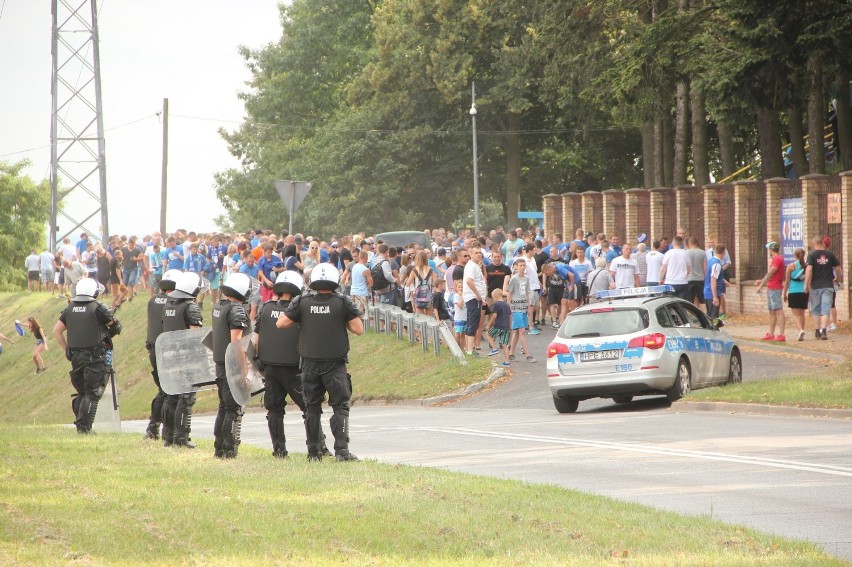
313 409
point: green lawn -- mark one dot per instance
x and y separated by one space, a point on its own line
382 367
829 388
120 500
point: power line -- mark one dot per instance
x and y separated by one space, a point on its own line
541 131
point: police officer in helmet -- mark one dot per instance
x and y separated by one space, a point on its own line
324 318
155 328
179 313
88 323
278 353
230 323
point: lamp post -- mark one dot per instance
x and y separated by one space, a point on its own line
475 166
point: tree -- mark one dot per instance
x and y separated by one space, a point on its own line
26 209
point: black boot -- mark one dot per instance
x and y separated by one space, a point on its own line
339 423
183 420
168 436
153 430
86 414
275 422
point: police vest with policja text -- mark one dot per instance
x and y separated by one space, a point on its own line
84 329
180 314
322 333
224 314
155 317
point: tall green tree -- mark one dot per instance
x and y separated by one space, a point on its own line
26 209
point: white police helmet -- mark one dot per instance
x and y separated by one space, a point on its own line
288 282
239 286
324 276
167 283
187 285
87 289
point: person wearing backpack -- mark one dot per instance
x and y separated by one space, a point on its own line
420 278
384 284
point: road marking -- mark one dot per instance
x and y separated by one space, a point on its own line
647 449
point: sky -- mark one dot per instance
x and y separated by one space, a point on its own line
183 50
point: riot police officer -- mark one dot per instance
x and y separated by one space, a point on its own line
278 353
181 312
155 328
230 323
88 323
323 318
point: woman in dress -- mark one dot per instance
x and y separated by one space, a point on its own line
311 257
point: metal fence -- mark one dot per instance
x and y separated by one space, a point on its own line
829 188
431 334
756 214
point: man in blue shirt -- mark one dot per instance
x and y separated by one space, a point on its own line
174 255
268 264
81 244
249 268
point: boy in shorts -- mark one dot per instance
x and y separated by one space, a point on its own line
460 314
501 326
519 294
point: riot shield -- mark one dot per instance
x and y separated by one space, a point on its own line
243 378
184 362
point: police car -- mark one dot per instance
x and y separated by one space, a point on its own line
636 342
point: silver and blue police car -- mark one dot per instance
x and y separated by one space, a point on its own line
636 342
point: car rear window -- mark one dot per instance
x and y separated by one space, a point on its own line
604 322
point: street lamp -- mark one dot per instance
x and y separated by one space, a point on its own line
475 167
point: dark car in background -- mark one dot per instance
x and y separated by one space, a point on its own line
402 238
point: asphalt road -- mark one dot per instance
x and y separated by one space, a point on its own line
789 476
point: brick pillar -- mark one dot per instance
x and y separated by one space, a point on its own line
572 214
845 312
592 211
662 221
811 186
637 205
552 208
745 234
609 206
682 200
776 188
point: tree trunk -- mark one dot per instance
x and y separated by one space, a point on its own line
797 143
512 147
769 130
700 161
668 151
648 153
726 148
659 162
816 115
681 134
844 116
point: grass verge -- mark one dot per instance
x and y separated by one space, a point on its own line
119 500
382 367
831 390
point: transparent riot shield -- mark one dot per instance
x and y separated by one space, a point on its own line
185 361
244 378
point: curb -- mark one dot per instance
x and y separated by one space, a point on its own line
790 350
760 409
496 373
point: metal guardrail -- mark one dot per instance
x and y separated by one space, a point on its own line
391 320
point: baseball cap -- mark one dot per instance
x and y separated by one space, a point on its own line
334 244
370 240
442 251
589 234
641 237
773 246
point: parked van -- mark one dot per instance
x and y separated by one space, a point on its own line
402 238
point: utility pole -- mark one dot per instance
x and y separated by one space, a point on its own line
165 177
475 159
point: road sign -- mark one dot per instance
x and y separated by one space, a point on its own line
292 194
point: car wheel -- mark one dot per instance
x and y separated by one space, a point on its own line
565 405
622 399
683 382
735 369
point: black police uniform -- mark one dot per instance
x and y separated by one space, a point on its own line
279 355
324 347
179 314
86 322
155 328
227 316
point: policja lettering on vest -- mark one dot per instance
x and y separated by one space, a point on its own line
278 354
155 329
90 326
324 318
230 323
180 312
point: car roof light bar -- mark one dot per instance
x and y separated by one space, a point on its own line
627 292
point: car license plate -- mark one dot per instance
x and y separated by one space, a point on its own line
600 355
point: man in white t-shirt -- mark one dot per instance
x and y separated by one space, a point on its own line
624 269
653 263
675 270
474 290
